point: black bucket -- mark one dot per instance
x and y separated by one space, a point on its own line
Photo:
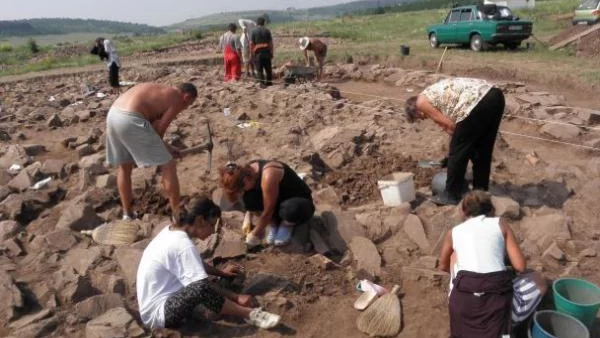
404 50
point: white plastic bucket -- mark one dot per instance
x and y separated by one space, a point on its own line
397 188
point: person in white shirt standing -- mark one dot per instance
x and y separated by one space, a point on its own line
107 52
172 280
246 25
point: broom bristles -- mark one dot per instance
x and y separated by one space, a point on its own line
383 317
115 233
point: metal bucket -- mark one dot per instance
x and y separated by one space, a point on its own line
438 183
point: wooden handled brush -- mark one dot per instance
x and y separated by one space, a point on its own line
383 318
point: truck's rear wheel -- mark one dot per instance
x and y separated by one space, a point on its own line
433 41
477 43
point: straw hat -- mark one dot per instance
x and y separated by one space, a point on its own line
303 42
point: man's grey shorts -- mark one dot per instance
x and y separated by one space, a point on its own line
130 137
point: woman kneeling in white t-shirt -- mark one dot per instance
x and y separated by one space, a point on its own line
172 279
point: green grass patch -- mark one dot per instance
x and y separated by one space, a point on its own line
379 37
21 59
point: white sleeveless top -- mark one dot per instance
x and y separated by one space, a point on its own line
479 245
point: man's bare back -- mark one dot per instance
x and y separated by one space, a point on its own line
151 100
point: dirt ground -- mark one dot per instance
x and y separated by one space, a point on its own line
372 139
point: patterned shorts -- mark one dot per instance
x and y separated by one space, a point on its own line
181 304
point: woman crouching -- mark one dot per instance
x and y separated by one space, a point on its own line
276 192
172 279
486 299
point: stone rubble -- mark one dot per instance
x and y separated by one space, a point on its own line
82 288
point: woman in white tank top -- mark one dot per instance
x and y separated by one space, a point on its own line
480 243
476 248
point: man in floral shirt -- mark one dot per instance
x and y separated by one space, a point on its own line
470 110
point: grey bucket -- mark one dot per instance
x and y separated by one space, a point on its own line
404 50
438 183
552 324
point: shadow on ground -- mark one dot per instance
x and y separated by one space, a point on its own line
545 193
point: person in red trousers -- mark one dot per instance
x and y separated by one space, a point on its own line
229 44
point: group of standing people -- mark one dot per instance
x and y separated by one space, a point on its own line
253 49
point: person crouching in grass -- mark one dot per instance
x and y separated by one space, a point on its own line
172 279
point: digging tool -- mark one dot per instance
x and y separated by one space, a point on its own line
439 67
201 148
383 317
443 163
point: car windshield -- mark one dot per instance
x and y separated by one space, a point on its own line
589 4
493 12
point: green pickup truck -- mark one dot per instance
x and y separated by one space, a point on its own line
480 26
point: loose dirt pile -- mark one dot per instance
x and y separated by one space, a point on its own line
589 45
568 32
61 283
356 184
586 46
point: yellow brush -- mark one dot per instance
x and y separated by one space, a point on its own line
247 224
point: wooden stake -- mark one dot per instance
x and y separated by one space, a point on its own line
439 67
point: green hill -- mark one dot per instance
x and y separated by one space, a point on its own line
65 26
291 14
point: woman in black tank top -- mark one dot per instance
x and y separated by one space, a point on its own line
275 191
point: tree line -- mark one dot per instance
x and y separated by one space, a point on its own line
415 6
64 26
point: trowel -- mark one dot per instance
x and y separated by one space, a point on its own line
433 163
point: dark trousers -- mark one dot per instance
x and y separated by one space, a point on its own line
263 64
113 75
296 210
474 139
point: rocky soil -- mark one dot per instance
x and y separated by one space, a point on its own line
60 283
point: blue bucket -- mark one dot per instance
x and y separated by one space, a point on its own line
552 324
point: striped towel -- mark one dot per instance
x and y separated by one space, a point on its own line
526 298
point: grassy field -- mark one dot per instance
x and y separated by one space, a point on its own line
376 37
18 58
379 37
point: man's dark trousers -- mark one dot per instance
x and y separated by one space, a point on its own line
263 64
474 139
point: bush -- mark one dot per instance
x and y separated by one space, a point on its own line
197 34
33 46
6 47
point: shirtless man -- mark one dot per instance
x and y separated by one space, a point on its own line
135 126
318 48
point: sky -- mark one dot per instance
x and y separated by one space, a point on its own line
152 12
